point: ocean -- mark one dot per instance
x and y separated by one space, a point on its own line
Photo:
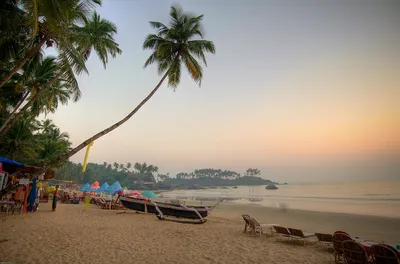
379 198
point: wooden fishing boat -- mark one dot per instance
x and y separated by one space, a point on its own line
162 209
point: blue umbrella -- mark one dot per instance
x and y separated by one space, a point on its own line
11 162
110 189
103 187
85 187
114 188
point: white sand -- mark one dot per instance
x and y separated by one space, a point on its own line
71 235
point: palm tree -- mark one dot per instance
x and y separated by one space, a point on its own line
145 172
172 46
96 34
14 37
128 166
49 22
21 143
47 126
37 76
53 142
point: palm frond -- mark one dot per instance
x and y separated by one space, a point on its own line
174 74
162 29
194 68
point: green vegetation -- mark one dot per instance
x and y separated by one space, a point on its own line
32 84
143 176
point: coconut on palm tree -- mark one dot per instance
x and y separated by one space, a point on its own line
179 44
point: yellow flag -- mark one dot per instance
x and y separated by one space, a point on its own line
86 156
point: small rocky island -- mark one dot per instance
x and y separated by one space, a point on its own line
271 187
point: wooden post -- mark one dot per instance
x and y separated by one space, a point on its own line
28 188
145 208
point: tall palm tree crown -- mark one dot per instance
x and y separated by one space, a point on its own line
180 43
177 44
96 34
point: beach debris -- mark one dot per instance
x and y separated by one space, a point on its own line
4 240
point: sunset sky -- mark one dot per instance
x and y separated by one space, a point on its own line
310 85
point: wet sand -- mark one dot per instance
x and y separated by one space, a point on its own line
72 235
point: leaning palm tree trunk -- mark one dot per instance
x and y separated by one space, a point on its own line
111 128
14 111
22 61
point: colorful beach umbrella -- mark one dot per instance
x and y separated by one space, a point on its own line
149 194
95 185
103 187
113 188
85 187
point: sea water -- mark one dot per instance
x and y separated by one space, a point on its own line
380 198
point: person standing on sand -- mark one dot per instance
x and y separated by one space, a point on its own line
55 197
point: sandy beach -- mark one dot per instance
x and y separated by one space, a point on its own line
72 235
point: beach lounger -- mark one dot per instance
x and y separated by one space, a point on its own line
384 254
337 239
324 239
247 225
300 235
282 232
253 226
354 253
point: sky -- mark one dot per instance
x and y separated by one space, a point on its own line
303 90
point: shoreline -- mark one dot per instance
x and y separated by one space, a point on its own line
327 212
370 227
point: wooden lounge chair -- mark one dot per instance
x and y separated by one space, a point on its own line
337 239
253 226
384 254
300 235
354 253
247 225
283 232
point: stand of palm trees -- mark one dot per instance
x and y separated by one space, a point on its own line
31 84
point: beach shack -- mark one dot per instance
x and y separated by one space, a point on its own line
20 186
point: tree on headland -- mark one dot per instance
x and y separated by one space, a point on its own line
175 45
144 173
252 172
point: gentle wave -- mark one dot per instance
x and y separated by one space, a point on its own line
236 196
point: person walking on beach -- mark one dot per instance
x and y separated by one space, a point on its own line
55 197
